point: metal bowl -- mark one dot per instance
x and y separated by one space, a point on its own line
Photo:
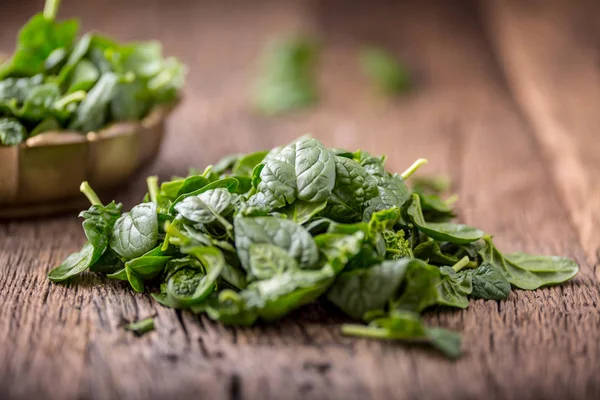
42 176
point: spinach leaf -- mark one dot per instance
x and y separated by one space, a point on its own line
190 286
227 183
287 81
11 132
549 269
531 272
280 232
135 232
79 51
386 73
75 264
84 76
353 189
268 260
445 231
303 170
361 290
408 327
488 282
109 263
244 166
303 211
37 40
339 249
430 252
454 288
273 298
38 103
92 111
98 224
393 192
207 207
420 290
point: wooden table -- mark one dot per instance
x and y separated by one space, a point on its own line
507 103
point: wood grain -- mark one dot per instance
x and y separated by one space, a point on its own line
62 342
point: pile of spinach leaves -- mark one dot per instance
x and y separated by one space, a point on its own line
258 235
54 81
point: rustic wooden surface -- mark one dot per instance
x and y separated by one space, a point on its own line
506 103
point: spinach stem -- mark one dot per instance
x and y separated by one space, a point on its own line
172 230
413 168
365 331
165 244
452 199
463 262
141 327
51 8
70 98
87 190
152 182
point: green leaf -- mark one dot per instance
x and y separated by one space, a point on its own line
279 232
12 132
359 291
430 252
189 286
99 221
92 111
54 60
38 103
207 207
75 264
454 288
245 165
408 327
130 101
144 59
302 211
268 260
420 290
84 76
303 170
79 51
531 272
135 232
277 296
488 282
287 81
109 263
393 192
47 125
443 231
550 270
36 41
228 183
339 249
165 86
386 73
353 189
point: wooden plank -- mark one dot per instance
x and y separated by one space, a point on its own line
549 50
68 342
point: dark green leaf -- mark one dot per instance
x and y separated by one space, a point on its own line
358 291
11 132
280 232
445 231
454 288
135 232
